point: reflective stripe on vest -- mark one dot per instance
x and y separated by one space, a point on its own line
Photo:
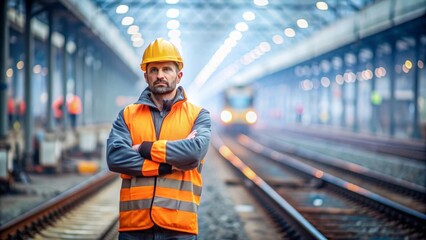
170 201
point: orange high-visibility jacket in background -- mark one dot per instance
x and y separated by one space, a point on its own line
74 105
57 107
149 194
10 105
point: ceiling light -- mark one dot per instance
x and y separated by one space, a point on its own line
136 37
218 57
172 1
177 42
241 26
302 23
127 21
37 69
236 35
138 43
255 53
289 32
322 6
122 9
249 16
172 13
133 29
20 64
173 24
175 33
246 59
265 47
71 47
9 72
230 42
261 3
278 39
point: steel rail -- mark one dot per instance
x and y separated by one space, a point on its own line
352 168
335 181
411 149
31 221
297 218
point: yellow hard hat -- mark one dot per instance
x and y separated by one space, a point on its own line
161 50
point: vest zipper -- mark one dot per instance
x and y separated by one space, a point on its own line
155 180
152 202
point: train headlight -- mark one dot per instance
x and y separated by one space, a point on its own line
226 116
251 117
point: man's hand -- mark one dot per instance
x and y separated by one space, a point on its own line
191 135
177 169
136 147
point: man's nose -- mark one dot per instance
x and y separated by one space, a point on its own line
160 74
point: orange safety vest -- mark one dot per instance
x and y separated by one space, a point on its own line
10 106
170 201
74 105
57 107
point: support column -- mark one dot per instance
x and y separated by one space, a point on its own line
79 74
50 70
392 80
331 77
97 89
83 87
28 118
76 67
14 52
356 69
373 94
334 88
76 75
4 55
65 76
416 88
88 88
344 109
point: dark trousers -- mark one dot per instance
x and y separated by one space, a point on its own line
73 118
156 233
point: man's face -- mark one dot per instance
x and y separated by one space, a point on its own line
162 77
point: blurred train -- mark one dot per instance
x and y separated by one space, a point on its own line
238 112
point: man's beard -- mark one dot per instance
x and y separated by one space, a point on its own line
163 90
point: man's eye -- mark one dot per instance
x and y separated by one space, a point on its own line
153 70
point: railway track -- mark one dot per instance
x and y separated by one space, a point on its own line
86 211
337 209
403 192
410 149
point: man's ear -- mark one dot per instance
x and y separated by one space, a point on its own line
145 75
179 77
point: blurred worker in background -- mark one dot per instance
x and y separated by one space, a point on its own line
158 145
10 110
57 110
20 108
74 109
299 112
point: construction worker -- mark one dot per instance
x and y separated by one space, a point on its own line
74 109
57 109
158 145
11 110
